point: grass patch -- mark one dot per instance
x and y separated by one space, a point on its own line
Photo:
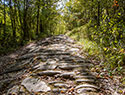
80 35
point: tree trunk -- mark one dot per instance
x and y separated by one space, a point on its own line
37 30
25 30
41 26
4 20
21 23
12 14
98 19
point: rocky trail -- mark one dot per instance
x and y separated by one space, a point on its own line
52 66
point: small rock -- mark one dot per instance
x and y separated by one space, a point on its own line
69 67
59 90
14 90
86 85
35 85
49 73
22 89
45 67
60 85
83 90
84 80
26 56
85 76
50 62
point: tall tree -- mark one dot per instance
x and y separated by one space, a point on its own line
38 14
4 19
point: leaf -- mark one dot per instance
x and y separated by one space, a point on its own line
105 49
62 91
121 51
120 91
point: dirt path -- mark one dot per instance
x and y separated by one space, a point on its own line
52 66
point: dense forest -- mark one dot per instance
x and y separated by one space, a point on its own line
97 24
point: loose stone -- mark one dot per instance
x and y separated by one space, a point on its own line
59 90
82 90
85 76
69 67
49 73
84 80
45 67
86 85
35 85
61 85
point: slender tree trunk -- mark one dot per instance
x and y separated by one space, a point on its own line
41 26
98 19
21 22
12 14
24 21
25 30
4 19
37 30
14 21
20 17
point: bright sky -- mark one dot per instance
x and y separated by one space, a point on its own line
61 3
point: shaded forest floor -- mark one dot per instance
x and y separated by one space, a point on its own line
54 66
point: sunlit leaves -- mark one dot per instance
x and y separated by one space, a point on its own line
109 36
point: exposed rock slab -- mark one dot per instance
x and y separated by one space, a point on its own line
61 85
41 60
83 90
86 85
45 67
49 73
84 80
68 67
59 90
35 85
85 76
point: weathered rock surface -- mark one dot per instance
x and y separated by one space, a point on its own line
83 90
85 76
68 75
86 85
49 73
59 90
84 80
60 85
52 66
45 67
69 67
35 85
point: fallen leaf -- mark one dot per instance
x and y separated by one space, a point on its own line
62 91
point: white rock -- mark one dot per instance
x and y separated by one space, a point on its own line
82 90
35 85
86 85
84 80
61 85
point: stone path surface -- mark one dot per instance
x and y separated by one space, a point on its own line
52 66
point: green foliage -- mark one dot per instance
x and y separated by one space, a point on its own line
24 21
104 26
